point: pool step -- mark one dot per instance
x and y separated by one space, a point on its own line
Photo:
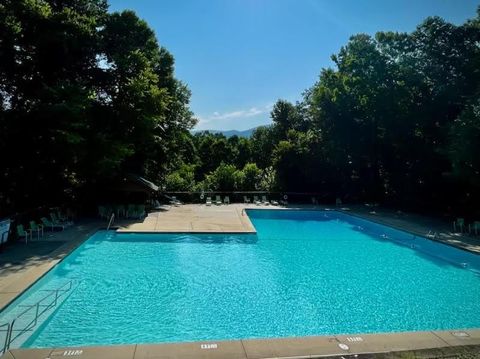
33 315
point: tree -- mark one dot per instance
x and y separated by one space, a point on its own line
252 177
224 178
262 143
182 179
464 146
88 94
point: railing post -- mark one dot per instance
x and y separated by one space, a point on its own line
9 336
112 218
4 349
36 313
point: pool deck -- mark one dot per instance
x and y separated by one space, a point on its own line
21 265
195 218
438 344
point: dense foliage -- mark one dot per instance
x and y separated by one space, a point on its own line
396 121
87 95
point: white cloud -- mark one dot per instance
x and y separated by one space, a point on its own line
225 118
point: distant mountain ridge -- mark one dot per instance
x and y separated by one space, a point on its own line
230 133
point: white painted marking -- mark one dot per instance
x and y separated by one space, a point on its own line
355 339
460 334
68 353
343 346
208 346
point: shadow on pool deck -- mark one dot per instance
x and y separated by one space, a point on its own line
22 264
420 225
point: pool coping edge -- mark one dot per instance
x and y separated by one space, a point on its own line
289 347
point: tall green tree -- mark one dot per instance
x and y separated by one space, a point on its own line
88 94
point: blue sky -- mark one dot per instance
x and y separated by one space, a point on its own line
239 56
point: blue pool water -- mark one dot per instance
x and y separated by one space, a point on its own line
304 273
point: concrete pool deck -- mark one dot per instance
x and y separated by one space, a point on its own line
195 218
435 344
22 265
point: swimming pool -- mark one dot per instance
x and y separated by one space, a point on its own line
303 273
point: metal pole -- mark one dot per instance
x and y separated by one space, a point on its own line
36 313
9 336
6 339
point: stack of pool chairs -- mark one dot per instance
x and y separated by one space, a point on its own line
136 211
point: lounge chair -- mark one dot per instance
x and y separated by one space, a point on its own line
284 202
226 200
174 201
64 218
265 201
208 202
256 201
22 233
218 200
50 224
156 204
274 203
246 199
34 227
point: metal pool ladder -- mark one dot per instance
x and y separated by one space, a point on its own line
110 222
39 308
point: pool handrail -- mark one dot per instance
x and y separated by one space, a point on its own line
110 222
10 325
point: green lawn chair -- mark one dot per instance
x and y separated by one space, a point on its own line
56 221
47 223
218 200
22 233
34 227
226 200
209 201
61 216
